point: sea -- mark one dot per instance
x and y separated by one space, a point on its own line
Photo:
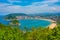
28 23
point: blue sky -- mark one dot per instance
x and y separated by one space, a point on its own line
29 6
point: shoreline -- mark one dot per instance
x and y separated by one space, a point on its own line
52 25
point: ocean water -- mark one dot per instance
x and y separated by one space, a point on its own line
28 23
31 23
3 21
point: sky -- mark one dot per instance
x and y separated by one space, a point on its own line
29 6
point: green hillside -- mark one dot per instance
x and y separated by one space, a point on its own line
13 15
9 33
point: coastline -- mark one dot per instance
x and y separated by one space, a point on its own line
52 25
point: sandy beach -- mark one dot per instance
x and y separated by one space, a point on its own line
52 25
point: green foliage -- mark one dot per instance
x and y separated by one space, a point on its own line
10 17
9 33
15 21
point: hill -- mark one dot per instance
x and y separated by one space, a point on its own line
13 15
17 14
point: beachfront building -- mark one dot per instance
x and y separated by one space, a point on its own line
37 17
28 17
22 17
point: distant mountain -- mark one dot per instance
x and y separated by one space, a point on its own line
45 14
17 14
13 15
35 14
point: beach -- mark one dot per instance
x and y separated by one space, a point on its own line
52 25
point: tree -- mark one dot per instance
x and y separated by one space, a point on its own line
14 22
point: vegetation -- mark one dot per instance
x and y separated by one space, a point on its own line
13 15
10 17
9 33
14 22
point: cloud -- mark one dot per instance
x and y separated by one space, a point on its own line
37 7
49 2
12 1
